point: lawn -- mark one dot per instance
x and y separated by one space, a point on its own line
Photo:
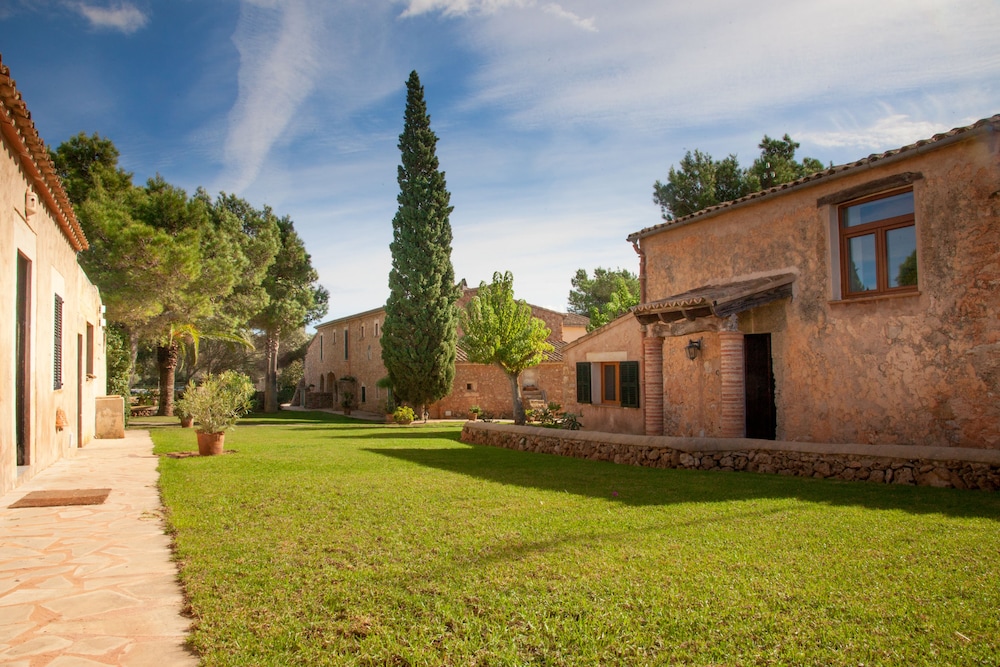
329 541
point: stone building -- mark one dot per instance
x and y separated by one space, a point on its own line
345 357
54 366
603 372
856 305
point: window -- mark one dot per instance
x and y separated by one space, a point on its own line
57 353
376 329
90 350
364 394
345 344
608 383
878 245
362 332
321 347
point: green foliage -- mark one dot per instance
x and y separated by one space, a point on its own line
403 415
89 164
552 416
702 181
604 297
419 333
328 541
291 375
119 365
497 329
218 402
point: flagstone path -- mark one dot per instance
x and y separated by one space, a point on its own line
90 585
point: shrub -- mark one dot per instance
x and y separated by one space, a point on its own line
218 402
403 415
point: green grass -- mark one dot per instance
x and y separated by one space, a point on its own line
329 541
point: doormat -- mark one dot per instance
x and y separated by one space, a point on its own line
60 498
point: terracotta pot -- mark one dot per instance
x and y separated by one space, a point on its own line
187 422
211 444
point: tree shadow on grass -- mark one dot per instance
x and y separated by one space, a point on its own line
638 486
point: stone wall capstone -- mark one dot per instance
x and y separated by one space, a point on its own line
960 468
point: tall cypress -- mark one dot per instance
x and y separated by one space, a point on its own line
421 319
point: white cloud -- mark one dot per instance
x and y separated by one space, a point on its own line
122 17
489 7
584 24
279 59
892 131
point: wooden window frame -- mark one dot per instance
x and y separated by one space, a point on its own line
626 383
879 229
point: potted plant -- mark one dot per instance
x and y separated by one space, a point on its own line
474 412
347 402
403 415
187 420
215 405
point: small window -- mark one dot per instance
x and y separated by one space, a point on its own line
878 245
364 394
618 383
90 350
376 330
362 332
609 383
321 347
57 350
345 344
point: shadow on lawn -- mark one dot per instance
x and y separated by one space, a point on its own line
637 486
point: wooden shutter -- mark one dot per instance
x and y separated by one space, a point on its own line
57 344
629 379
582 382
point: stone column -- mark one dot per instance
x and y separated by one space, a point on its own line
733 385
652 376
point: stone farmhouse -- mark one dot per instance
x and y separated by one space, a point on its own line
54 367
345 356
860 304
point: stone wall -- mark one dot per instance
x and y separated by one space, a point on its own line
962 468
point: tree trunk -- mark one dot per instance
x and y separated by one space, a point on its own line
271 373
515 387
166 361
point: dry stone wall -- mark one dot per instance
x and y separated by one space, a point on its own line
961 468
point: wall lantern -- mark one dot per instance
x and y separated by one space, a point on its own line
692 348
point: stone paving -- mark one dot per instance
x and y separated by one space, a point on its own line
83 586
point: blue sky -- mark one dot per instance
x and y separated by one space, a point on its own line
554 118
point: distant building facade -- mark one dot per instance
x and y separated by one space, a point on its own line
345 357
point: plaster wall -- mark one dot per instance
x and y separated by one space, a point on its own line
918 369
54 270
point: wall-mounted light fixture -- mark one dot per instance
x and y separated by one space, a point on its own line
692 348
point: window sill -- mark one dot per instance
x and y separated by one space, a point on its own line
876 297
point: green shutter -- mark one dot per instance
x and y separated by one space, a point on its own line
582 382
629 378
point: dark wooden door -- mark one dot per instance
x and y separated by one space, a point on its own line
22 390
761 412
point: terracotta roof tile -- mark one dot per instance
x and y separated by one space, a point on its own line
938 139
20 132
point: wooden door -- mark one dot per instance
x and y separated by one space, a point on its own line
761 415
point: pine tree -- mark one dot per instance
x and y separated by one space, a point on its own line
419 335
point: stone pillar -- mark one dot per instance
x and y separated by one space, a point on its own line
110 417
652 376
733 385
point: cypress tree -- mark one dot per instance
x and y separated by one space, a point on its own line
420 331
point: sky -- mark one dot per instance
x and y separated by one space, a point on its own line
554 119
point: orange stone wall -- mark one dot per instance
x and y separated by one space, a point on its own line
920 369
